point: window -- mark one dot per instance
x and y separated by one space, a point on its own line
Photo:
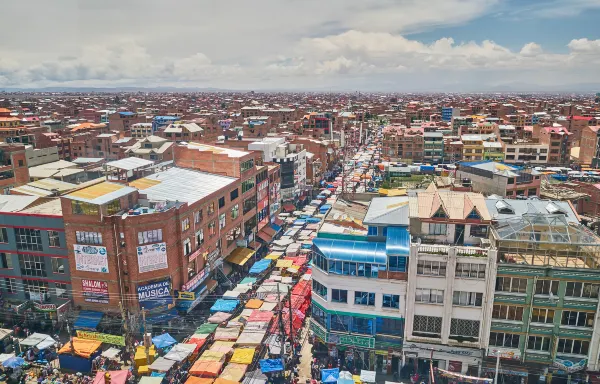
468 328
212 229
185 224
319 315
431 268
511 284
10 285
249 204
388 326
151 236
81 208
479 230
397 263
234 194
221 202
222 221
507 312
88 237
3 235
578 319
61 290
319 289
113 207
472 299
391 301
211 208
6 261
586 290
247 185
29 239
235 211
187 247
339 295
199 237
538 343
440 213
362 325
508 340
437 229
542 315
32 265
427 326
340 322
426 295
53 239
474 215
198 216
59 266
364 298
577 347
372 231
544 287
35 290
246 165
475 271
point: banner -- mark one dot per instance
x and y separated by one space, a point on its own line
103 337
95 291
90 258
155 294
44 307
152 257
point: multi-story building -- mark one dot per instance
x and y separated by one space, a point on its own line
138 243
589 149
268 147
123 120
406 144
472 147
492 150
292 160
141 130
558 141
544 320
451 272
182 132
151 148
525 151
359 287
433 146
34 265
13 166
449 112
489 177
453 149
274 192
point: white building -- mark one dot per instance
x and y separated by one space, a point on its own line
268 147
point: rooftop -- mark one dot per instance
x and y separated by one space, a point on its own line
216 150
100 193
388 211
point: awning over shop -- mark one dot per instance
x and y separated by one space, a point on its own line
289 207
276 227
354 251
88 320
264 236
240 256
397 242
81 347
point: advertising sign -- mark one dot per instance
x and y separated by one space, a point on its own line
569 366
90 258
181 295
196 280
152 257
213 256
155 294
103 337
511 354
95 291
44 307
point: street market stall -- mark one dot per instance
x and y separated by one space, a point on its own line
78 354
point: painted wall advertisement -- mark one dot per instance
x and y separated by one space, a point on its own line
155 295
152 257
90 258
103 337
95 291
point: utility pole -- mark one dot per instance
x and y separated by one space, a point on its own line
125 326
291 323
497 367
281 329
146 341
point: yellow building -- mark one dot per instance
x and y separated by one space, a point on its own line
473 148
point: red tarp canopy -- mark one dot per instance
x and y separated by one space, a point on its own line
260 316
116 377
264 236
289 207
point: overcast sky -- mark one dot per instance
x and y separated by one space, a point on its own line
368 45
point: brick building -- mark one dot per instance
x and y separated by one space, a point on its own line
13 166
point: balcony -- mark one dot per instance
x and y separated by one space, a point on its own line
433 249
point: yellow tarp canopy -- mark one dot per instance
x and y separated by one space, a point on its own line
240 256
143 370
211 355
222 346
392 192
234 372
242 356
254 304
81 347
220 380
272 256
140 356
284 263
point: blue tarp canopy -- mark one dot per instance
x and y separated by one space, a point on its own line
276 227
397 242
313 220
325 208
163 341
248 280
270 365
354 251
299 222
88 320
330 375
321 197
260 266
223 305
163 317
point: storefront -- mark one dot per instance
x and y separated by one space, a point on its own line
192 292
454 359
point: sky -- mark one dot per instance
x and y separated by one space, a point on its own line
318 45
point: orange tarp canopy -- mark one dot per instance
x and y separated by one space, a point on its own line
254 304
206 368
81 347
199 380
220 380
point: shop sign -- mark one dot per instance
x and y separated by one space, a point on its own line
152 257
455 351
510 354
196 280
201 295
155 294
95 291
351 340
504 371
194 255
103 337
318 331
213 256
44 307
569 366
90 258
186 295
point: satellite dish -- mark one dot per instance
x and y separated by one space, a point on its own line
124 216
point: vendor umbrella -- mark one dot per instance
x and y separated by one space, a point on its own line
13 362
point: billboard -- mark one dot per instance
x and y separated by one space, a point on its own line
155 295
152 257
90 258
95 291
103 337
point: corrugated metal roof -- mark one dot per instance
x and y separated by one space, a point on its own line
129 163
101 193
354 251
